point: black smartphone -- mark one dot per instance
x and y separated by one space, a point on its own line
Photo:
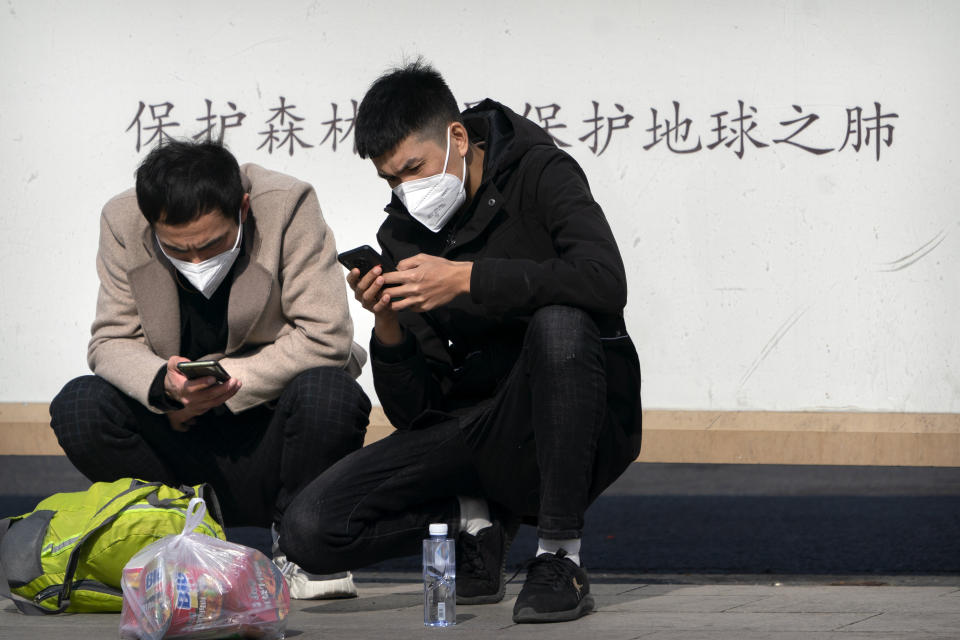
202 368
364 258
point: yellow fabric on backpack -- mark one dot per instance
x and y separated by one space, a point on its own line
68 554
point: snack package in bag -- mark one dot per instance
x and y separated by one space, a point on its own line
193 586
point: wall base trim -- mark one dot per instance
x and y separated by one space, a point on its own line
729 437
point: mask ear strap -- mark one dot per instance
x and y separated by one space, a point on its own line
239 230
446 156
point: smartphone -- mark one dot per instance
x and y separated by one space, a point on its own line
202 368
364 258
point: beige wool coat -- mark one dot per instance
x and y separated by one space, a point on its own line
288 303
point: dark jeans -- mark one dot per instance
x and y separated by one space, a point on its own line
256 461
531 449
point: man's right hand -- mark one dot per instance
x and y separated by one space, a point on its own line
368 290
197 396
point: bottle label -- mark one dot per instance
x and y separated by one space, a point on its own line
442 611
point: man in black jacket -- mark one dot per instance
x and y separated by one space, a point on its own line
499 353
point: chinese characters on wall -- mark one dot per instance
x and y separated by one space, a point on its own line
742 129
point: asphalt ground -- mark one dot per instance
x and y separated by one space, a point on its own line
700 519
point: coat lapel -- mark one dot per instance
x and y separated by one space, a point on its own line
250 291
154 288
154 291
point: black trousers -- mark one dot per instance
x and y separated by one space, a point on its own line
256 461
545 446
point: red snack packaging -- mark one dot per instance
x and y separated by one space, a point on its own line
194 587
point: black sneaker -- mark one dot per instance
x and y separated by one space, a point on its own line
556 590
482 563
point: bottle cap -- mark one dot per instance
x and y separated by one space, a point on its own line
438 529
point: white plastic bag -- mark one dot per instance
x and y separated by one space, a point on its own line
193 586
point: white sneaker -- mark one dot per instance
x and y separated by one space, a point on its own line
311 586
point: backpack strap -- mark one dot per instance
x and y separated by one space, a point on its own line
24 605
154 501
203 490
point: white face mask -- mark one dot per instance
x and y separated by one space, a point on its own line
431 201
206 276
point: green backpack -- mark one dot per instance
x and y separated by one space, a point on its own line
69 553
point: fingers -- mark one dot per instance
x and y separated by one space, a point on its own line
413 261
371 294
369 278
353 277
222 392
395 277
197 384
201 400
174 380
172 366
383 305
411 303
358 283
366 289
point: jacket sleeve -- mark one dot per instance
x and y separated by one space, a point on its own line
402 379
118 351
409 378
313 300
587 271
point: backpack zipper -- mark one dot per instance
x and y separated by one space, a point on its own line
85 585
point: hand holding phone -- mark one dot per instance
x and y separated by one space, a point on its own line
364 258
188 383
202 368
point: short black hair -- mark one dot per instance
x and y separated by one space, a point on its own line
181 180
404 100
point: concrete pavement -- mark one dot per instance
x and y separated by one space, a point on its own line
629 607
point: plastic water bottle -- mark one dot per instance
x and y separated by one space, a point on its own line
439 578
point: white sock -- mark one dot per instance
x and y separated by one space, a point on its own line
474 514
571 546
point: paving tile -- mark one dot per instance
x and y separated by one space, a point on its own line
673 603
626 611
16 626
729 589
827 599
910 621
788 635
646 589
612 588
758 622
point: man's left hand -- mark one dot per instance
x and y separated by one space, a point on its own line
426 282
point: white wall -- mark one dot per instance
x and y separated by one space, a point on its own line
768 282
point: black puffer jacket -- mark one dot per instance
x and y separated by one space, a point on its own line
536 237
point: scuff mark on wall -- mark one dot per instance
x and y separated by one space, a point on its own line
912 258
773 342
882 267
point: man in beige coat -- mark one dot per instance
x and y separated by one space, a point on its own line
208 260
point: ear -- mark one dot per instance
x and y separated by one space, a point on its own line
459 138
244 207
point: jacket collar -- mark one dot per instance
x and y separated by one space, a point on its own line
463 227
154 288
